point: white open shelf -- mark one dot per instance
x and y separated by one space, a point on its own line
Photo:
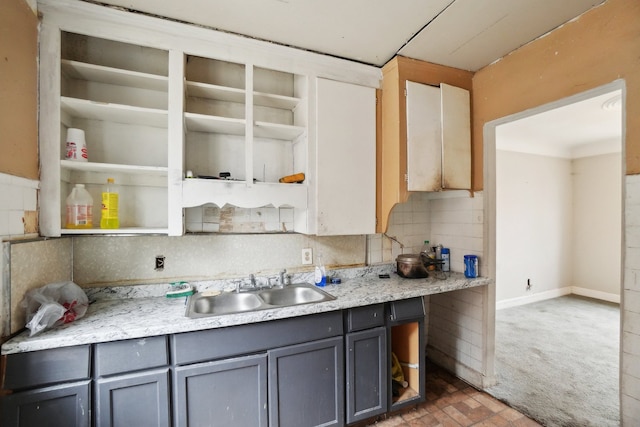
275 101
114 76
277 131
75 165
219 93
122 230
117 113
203 123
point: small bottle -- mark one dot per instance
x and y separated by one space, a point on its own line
109 218
470 266
446 262
320 276
425 248
79 208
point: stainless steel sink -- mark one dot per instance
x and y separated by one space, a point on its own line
226 303
292 295
202 305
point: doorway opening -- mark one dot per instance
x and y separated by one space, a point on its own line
553 199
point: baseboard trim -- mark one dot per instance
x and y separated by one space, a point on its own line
590 293
541 296
554 293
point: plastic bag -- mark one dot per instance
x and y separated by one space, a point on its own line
54 304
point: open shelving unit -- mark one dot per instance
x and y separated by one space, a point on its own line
117 94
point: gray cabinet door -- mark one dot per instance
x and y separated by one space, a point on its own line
139 399
367 378
306 384
64 405
230 392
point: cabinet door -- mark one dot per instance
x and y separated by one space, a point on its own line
64 405
438 137
456 137
139 399
367 379
424 138
230 392
306 384
346 159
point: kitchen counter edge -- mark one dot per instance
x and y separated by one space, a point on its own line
137 318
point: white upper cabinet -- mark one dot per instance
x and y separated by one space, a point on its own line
346 158
438 137
158 99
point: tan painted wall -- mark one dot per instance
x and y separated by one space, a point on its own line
601 46
18 89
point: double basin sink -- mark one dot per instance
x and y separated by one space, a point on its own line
204 305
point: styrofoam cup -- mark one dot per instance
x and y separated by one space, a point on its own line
76 148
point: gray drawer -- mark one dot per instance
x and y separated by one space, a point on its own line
191 347
367 317
38 368
406 309
130 355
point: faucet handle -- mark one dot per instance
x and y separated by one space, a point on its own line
282 277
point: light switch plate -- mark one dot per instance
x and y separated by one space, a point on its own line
307 256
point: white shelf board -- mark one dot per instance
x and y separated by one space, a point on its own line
277 131
116 168
275 101
114 76
122 230
220 93
117 113
214 124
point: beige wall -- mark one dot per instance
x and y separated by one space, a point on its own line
18 89
599 47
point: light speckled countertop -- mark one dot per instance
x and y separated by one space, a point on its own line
141 311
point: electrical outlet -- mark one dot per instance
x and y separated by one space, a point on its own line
307 256
159 263
528 284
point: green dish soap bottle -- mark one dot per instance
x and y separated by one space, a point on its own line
109 218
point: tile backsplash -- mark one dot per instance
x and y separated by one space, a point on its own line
18 205
452 218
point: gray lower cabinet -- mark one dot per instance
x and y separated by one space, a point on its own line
132 383
367 378
229 392
63 405
139 399
47 388
366 362
306 384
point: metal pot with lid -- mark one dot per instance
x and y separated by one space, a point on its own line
411 266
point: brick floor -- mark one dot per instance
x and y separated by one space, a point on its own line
451 402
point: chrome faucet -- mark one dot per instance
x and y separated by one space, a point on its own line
252 279
282 281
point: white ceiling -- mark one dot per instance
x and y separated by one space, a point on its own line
585 128
466 34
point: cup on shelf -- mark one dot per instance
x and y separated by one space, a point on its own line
76 148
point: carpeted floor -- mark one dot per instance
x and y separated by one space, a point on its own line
557 361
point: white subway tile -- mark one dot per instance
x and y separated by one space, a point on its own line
30 199
16 198
194 227
193 214
630 386
286 215
4 222
16 224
